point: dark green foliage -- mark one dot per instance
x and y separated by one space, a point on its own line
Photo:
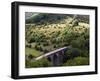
73 52
45 44
69 37
78 43
55 46
36 37
30 56
38 47
77 61
31 40
28 45
40 63
75 23
45 51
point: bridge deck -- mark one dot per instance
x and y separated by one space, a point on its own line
52 52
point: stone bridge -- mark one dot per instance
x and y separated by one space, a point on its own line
56 56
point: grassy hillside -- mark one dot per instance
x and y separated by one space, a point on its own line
47 32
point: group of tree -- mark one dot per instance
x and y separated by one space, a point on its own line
78 54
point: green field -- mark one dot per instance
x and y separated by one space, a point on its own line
33 52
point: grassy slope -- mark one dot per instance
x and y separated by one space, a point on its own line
32 52
48 30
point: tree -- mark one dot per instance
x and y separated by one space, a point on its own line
72 52
38 47
30 56
77 61
75 23
45 51
39 63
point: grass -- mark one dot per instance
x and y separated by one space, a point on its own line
33 52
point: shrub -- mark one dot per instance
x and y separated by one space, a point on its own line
68 37
38 47
28 45
77 61
45 51
79 42
30 56
31 40
72 52
39 63
75 22
55 46
45 44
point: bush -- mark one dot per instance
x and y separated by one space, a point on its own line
69 37
77 61
45 51
38 47
75 22
79 43
53 41
72 52
45 44
40 63
55 46
31 40
30 56
28 45
36 37
84 53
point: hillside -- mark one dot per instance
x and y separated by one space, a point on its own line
47 32
42 18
